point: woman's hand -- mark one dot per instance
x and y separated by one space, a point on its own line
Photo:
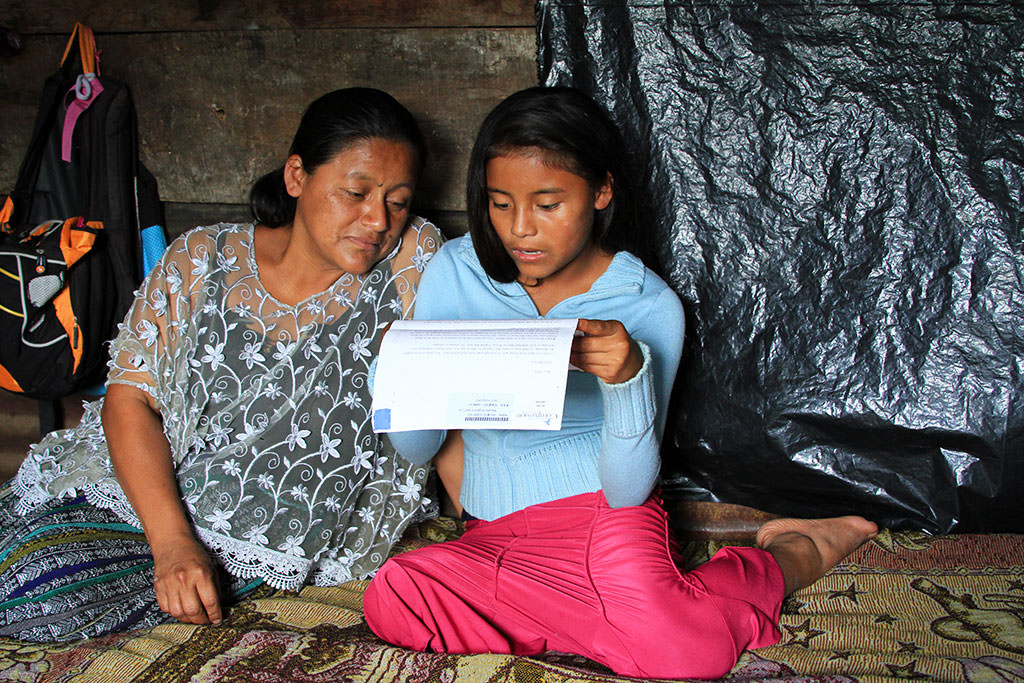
186 581
606 350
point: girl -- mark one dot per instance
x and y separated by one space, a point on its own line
567 547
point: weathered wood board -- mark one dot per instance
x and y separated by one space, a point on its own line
57 16
218 108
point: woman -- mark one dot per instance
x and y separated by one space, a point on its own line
236 417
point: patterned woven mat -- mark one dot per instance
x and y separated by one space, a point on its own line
905 606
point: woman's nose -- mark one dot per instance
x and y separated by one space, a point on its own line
376 215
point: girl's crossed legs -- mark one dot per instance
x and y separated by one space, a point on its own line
577 576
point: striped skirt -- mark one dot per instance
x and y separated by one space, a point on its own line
70 570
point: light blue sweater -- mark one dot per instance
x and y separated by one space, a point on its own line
610 434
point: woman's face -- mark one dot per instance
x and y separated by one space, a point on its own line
351 210
544 216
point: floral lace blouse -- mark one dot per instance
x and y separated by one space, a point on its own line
265 406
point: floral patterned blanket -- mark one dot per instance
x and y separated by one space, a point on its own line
905 606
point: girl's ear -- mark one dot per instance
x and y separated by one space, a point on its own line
604 194
294 175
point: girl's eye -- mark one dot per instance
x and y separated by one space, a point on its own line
549 207
500 206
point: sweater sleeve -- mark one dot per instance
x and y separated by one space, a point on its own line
635 411
629 462
418 446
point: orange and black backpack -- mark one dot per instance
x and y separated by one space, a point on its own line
71 231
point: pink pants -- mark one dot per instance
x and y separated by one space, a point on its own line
574 575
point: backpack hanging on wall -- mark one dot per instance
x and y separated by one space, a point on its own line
71 242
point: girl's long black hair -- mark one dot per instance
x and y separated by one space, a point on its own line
571 132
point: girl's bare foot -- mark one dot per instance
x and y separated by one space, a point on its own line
807 548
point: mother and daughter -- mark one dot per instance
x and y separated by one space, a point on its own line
233 446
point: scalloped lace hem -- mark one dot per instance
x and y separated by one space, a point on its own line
248 561
242 559
30 490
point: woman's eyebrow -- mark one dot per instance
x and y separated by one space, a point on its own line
359 175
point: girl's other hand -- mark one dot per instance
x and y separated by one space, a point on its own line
606 350
186 581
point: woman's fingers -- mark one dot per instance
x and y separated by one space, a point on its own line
197 603
211 600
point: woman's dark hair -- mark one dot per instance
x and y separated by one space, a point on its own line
571 132
331 124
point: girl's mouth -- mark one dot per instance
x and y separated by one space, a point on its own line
526 255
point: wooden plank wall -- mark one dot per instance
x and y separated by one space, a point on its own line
220 86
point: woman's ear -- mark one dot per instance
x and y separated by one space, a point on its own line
294 175
603 196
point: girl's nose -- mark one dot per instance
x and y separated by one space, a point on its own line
522 225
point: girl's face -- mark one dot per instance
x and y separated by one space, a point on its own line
544 216
351 210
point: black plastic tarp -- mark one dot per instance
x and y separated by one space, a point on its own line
837 191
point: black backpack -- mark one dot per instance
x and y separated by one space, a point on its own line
70 248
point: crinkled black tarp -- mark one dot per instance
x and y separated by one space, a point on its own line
837 188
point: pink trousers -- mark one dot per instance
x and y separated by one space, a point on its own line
575 575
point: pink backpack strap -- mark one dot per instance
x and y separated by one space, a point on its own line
87 87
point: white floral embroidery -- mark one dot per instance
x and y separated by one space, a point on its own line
311 349
421 258
148 332
329 448
214 356
292 545
218 520
251 355
173 281
410 490
283 351
256 535
362 459
219 435
358 347
297 437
